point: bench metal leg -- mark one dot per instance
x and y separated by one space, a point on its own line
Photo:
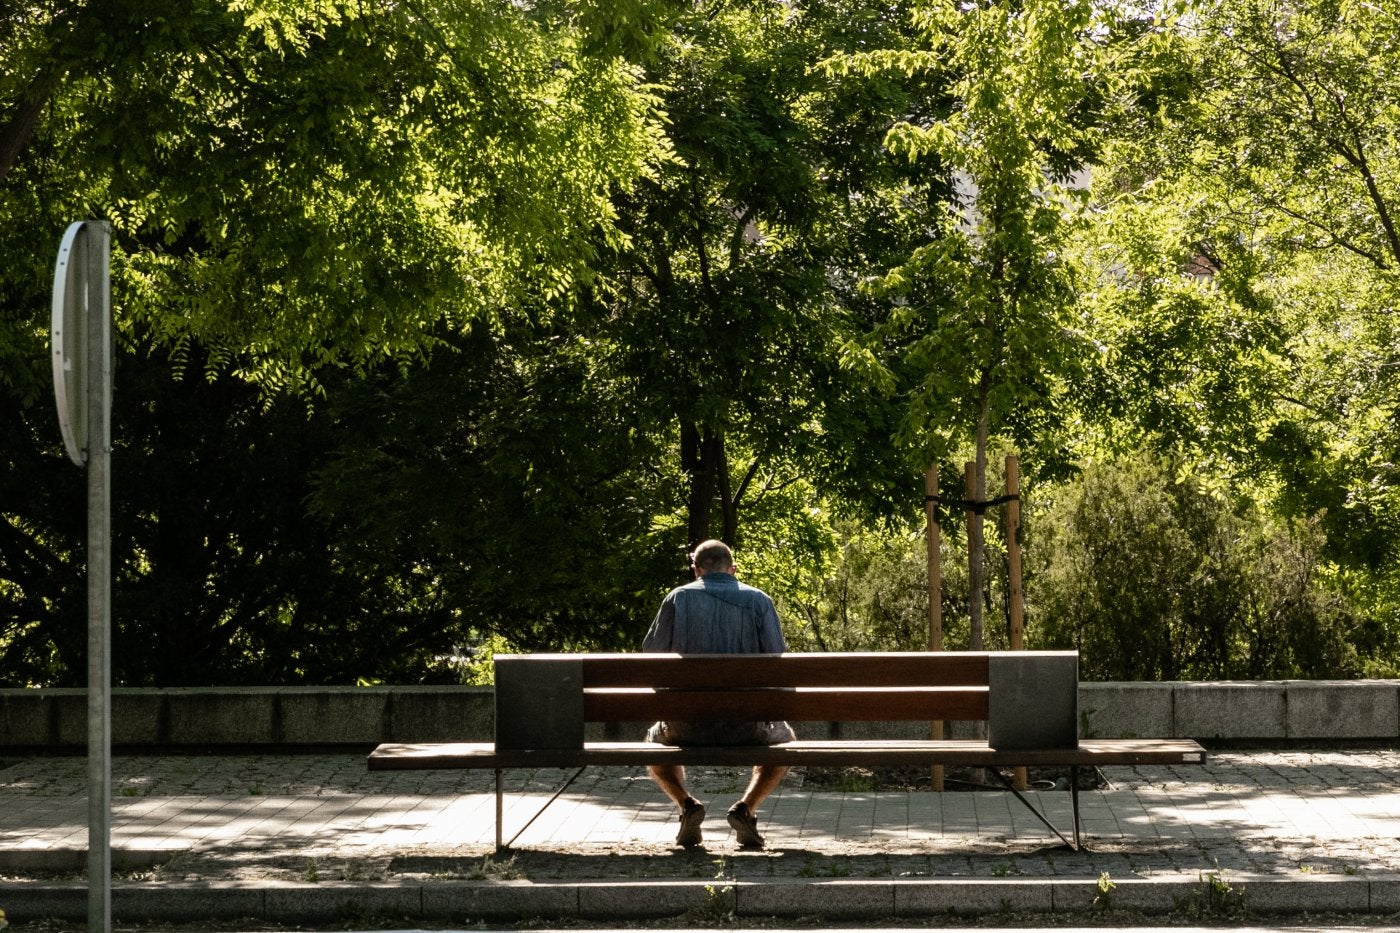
1074 804
499 810
528 823
1011 786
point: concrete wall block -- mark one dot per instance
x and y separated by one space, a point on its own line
136 716
1231 710
57 717
859 731
24 717
334 715
978 896
1343 709
615 731
441 714
220 715
1126 710
69 715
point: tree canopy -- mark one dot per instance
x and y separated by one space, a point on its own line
451 324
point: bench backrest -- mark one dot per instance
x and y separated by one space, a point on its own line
1029 699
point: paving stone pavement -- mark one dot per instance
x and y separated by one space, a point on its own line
1277 813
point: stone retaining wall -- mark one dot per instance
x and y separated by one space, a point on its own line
56 719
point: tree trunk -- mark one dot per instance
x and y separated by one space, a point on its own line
976 491
706 467
973 484
19 128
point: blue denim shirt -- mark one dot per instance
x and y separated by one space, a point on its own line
716 614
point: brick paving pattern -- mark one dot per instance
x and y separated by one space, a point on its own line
1275 813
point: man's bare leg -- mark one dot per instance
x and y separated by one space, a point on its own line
671 780
741 816
764 781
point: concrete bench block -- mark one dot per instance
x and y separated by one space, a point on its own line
441 714
1033 700
1231 709
1338 709
334 715
1126 710
220 716
539 702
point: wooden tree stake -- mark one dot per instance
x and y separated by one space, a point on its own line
935 591
1013 560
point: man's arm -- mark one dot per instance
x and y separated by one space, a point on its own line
770 632
662 632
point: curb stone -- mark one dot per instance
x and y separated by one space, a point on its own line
838 899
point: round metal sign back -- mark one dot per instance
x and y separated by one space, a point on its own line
70 309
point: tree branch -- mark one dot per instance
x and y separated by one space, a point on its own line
19 129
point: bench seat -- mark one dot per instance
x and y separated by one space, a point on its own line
878 752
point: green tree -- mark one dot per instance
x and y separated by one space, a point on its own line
1247 262
1152 578
985 324
300 192
735 306
298 185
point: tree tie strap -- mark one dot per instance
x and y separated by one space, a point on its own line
973 506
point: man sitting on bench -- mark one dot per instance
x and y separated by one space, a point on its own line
716 614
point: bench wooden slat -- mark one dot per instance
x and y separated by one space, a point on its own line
841 669
970 752
801 704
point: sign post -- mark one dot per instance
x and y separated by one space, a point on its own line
82 377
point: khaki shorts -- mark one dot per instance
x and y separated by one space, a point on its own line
720 733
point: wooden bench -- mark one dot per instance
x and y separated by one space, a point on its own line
1027 699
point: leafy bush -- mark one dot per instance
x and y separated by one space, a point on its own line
1152 577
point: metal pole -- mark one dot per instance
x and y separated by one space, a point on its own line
99 570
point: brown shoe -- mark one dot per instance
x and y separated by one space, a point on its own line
692 815
745 826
